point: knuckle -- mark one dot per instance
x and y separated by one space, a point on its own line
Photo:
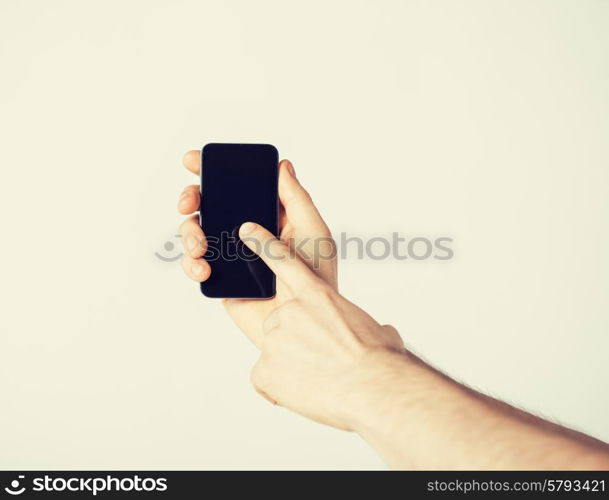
393 336
306 196
390 329
257 376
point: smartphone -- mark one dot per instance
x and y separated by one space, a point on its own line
238 184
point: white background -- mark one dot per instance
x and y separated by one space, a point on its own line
486 121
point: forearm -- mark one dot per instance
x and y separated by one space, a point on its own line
416 417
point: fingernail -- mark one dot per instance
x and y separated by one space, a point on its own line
184 193
192 243
197 270
247 228
291 169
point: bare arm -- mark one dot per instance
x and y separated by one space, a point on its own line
415 417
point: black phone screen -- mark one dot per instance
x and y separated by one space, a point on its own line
238 184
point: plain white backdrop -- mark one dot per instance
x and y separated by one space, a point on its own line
483 121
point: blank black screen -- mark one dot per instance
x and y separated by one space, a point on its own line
238 184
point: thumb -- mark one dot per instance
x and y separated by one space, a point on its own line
299 207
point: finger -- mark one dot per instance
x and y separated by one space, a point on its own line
196 269
193 237
299 207
192 161
190 200
277 255
267 397
258 382
246 314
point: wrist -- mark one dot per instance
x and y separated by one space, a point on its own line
395 397
371 387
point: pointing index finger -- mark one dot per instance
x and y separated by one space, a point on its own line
277 255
